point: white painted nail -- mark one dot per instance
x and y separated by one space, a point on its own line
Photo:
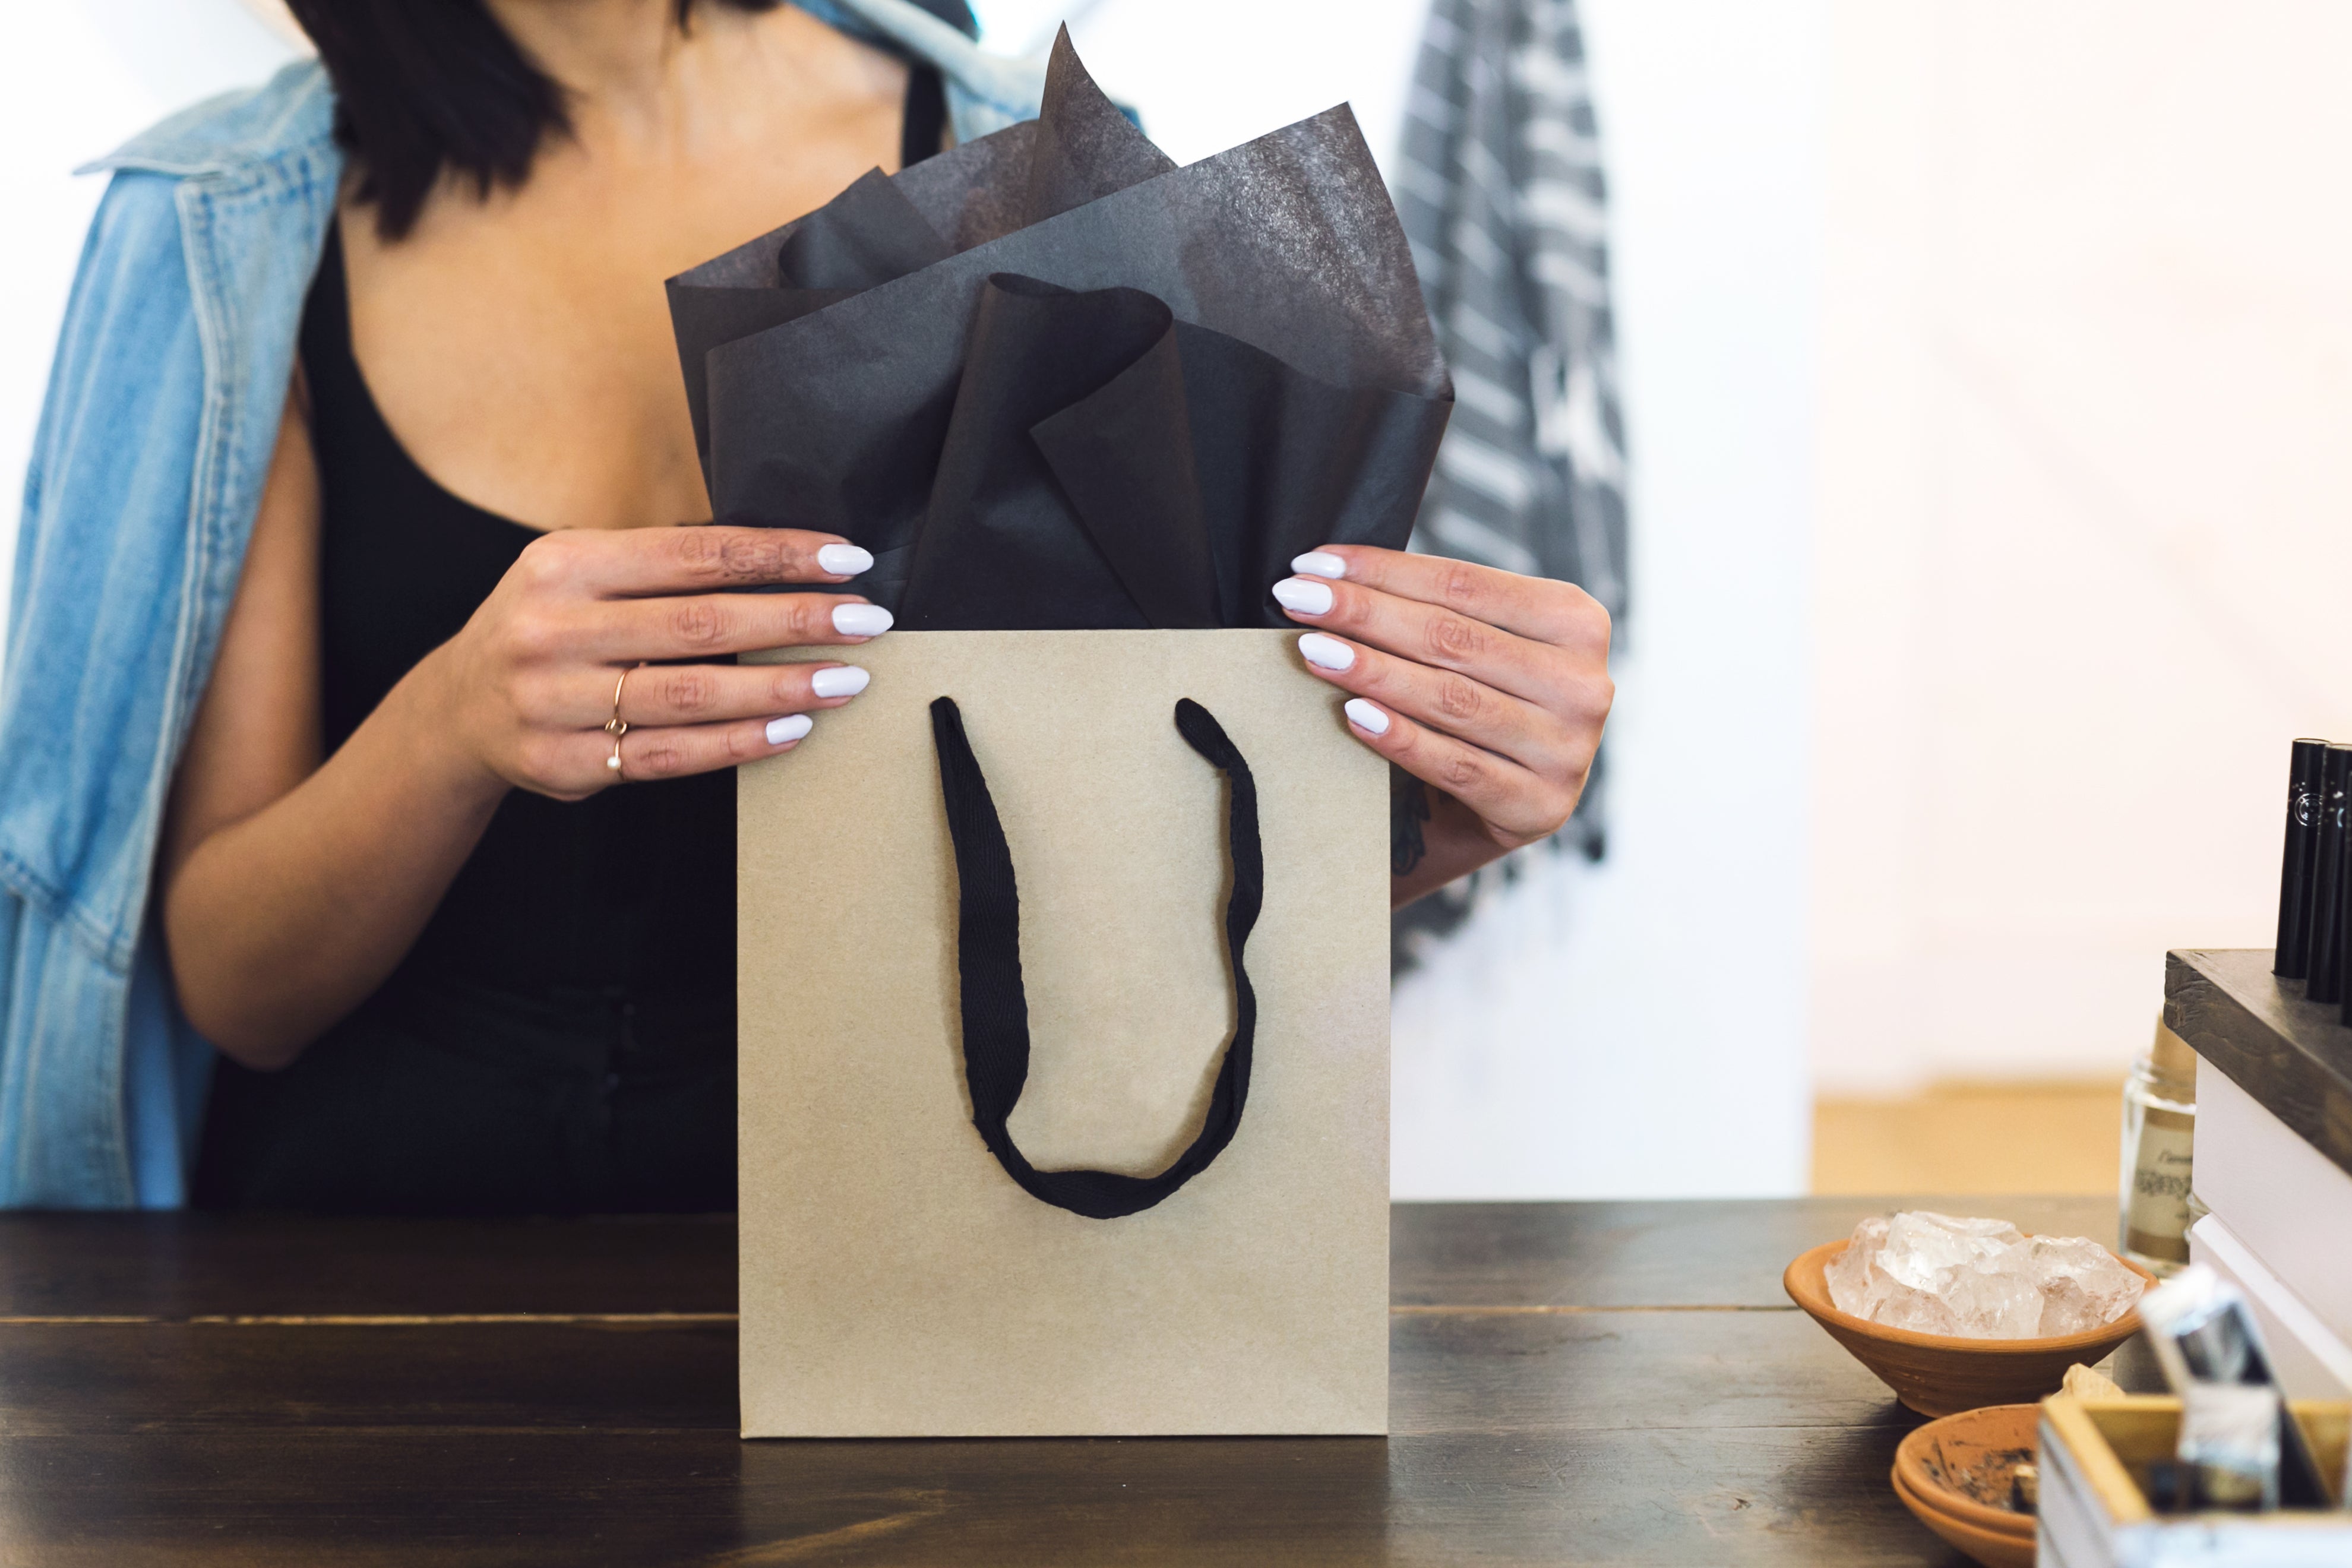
790 727
1319 564
1305 595
1365 716
860 620
841 680
1325 652
843 560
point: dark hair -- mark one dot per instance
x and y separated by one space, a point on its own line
426 85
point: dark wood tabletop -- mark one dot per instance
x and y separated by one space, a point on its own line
1619 1382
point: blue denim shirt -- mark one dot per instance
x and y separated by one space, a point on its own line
154 441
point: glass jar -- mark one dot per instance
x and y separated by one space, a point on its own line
2159 1133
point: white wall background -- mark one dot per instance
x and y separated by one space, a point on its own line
2086 458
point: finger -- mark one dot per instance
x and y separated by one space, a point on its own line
663 694
1468 710
704 626
1428 634
629 563
680 751
1543 608
1517 805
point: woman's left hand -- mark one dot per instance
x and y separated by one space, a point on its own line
1490 687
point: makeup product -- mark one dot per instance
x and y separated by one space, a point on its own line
2326 919
2241 1450
2344 923
2293 960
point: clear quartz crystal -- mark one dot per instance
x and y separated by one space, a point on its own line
1977 1278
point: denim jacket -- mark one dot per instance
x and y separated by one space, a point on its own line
156 436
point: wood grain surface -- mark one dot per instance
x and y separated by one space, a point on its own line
1572 1382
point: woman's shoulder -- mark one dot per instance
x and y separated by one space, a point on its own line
291 114
986 91
266 170
190 284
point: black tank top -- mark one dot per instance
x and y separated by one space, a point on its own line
630 890
561 1039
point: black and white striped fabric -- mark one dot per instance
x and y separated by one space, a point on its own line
1500 188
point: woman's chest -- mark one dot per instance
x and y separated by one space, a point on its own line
538 384
519 346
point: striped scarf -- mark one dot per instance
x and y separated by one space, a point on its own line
1501 192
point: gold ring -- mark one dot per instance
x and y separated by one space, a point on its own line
617 726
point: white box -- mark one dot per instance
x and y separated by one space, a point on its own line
2283 1200
2310 1362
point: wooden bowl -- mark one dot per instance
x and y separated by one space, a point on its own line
1961 1465
1941 1374
1993 1548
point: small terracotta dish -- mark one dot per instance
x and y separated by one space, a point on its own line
1938 1374
1963 1466
1993 1548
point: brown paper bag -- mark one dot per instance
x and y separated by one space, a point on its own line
896 1278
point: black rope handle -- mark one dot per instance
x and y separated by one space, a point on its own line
996 1007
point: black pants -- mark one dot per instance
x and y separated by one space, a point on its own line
441 1097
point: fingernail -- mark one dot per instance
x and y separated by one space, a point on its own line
860 620
1325 652
1304 594
1365 716
790 727
841 680
1319 564
843 560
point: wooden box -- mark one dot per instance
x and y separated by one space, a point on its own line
2094 1458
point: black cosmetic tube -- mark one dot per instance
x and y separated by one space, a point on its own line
2346 960
2344 967
2327 917
2293 960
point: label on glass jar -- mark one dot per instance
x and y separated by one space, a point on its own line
2156 1225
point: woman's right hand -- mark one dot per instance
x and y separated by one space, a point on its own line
294 878
525 689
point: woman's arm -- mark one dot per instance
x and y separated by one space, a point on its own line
290 890
292 887
1489 686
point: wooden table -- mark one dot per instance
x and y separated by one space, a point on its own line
1616 1382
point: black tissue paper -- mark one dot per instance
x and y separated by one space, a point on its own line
1052 381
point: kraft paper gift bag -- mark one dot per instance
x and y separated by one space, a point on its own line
908 1272
1063 958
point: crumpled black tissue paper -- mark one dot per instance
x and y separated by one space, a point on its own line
1052 381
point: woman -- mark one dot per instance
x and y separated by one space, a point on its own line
344 785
